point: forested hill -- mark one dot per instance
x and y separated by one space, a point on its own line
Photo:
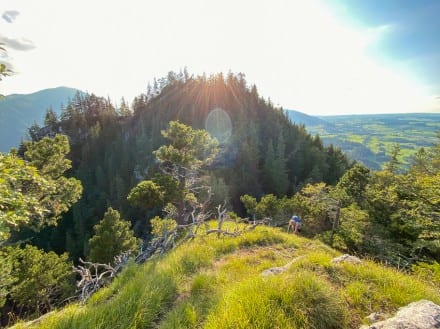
18 112
261 151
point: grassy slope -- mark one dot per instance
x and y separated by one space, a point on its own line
215 282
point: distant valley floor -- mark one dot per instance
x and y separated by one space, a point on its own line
370 138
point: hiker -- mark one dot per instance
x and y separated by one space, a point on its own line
294 224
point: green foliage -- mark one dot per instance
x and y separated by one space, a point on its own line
21 188
250 204
353 183
41 278
49 155
33 191
112 237
220 191
353 226
429 272
159 226
275 169
51 119
170 187
189 149
146 194
317 207
393 165
278 210
6 278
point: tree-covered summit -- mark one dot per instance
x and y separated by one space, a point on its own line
260 150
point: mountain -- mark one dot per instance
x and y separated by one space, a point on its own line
309 120
261 151
19 111
262 278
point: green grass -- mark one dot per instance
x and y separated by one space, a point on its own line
356 138
303 300
213 282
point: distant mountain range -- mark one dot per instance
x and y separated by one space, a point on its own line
19 111
310 121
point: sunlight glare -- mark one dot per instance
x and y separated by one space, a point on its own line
219 125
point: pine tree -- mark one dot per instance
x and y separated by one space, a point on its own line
42 278
124 109
269 167
282 179
51 118
112 237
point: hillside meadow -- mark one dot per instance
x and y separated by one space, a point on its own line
216 282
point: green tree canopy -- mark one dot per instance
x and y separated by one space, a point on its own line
41 278
33 191
181 161
188 149
112 237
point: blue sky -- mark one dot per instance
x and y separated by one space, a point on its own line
411 34
316 56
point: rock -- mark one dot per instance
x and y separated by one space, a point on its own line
346 258
423 314
374 317
273 271
280 269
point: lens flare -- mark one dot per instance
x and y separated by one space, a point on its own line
219 125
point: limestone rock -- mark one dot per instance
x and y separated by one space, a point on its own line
423 314
273 271
280 269
346 258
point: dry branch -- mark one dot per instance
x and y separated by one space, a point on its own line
93 277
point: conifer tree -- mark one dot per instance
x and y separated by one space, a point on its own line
282 179
189 150
41 278
51 118
112 237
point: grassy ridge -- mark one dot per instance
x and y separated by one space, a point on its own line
215 282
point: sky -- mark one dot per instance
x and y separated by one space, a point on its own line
320 57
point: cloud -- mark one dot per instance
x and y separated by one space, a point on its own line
10 15
22 44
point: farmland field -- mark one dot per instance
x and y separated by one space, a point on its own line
370 138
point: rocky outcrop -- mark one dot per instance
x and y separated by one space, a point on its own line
280 269
346 258
423 314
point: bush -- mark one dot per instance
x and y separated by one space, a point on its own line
42 278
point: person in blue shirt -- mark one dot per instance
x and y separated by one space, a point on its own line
294 224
